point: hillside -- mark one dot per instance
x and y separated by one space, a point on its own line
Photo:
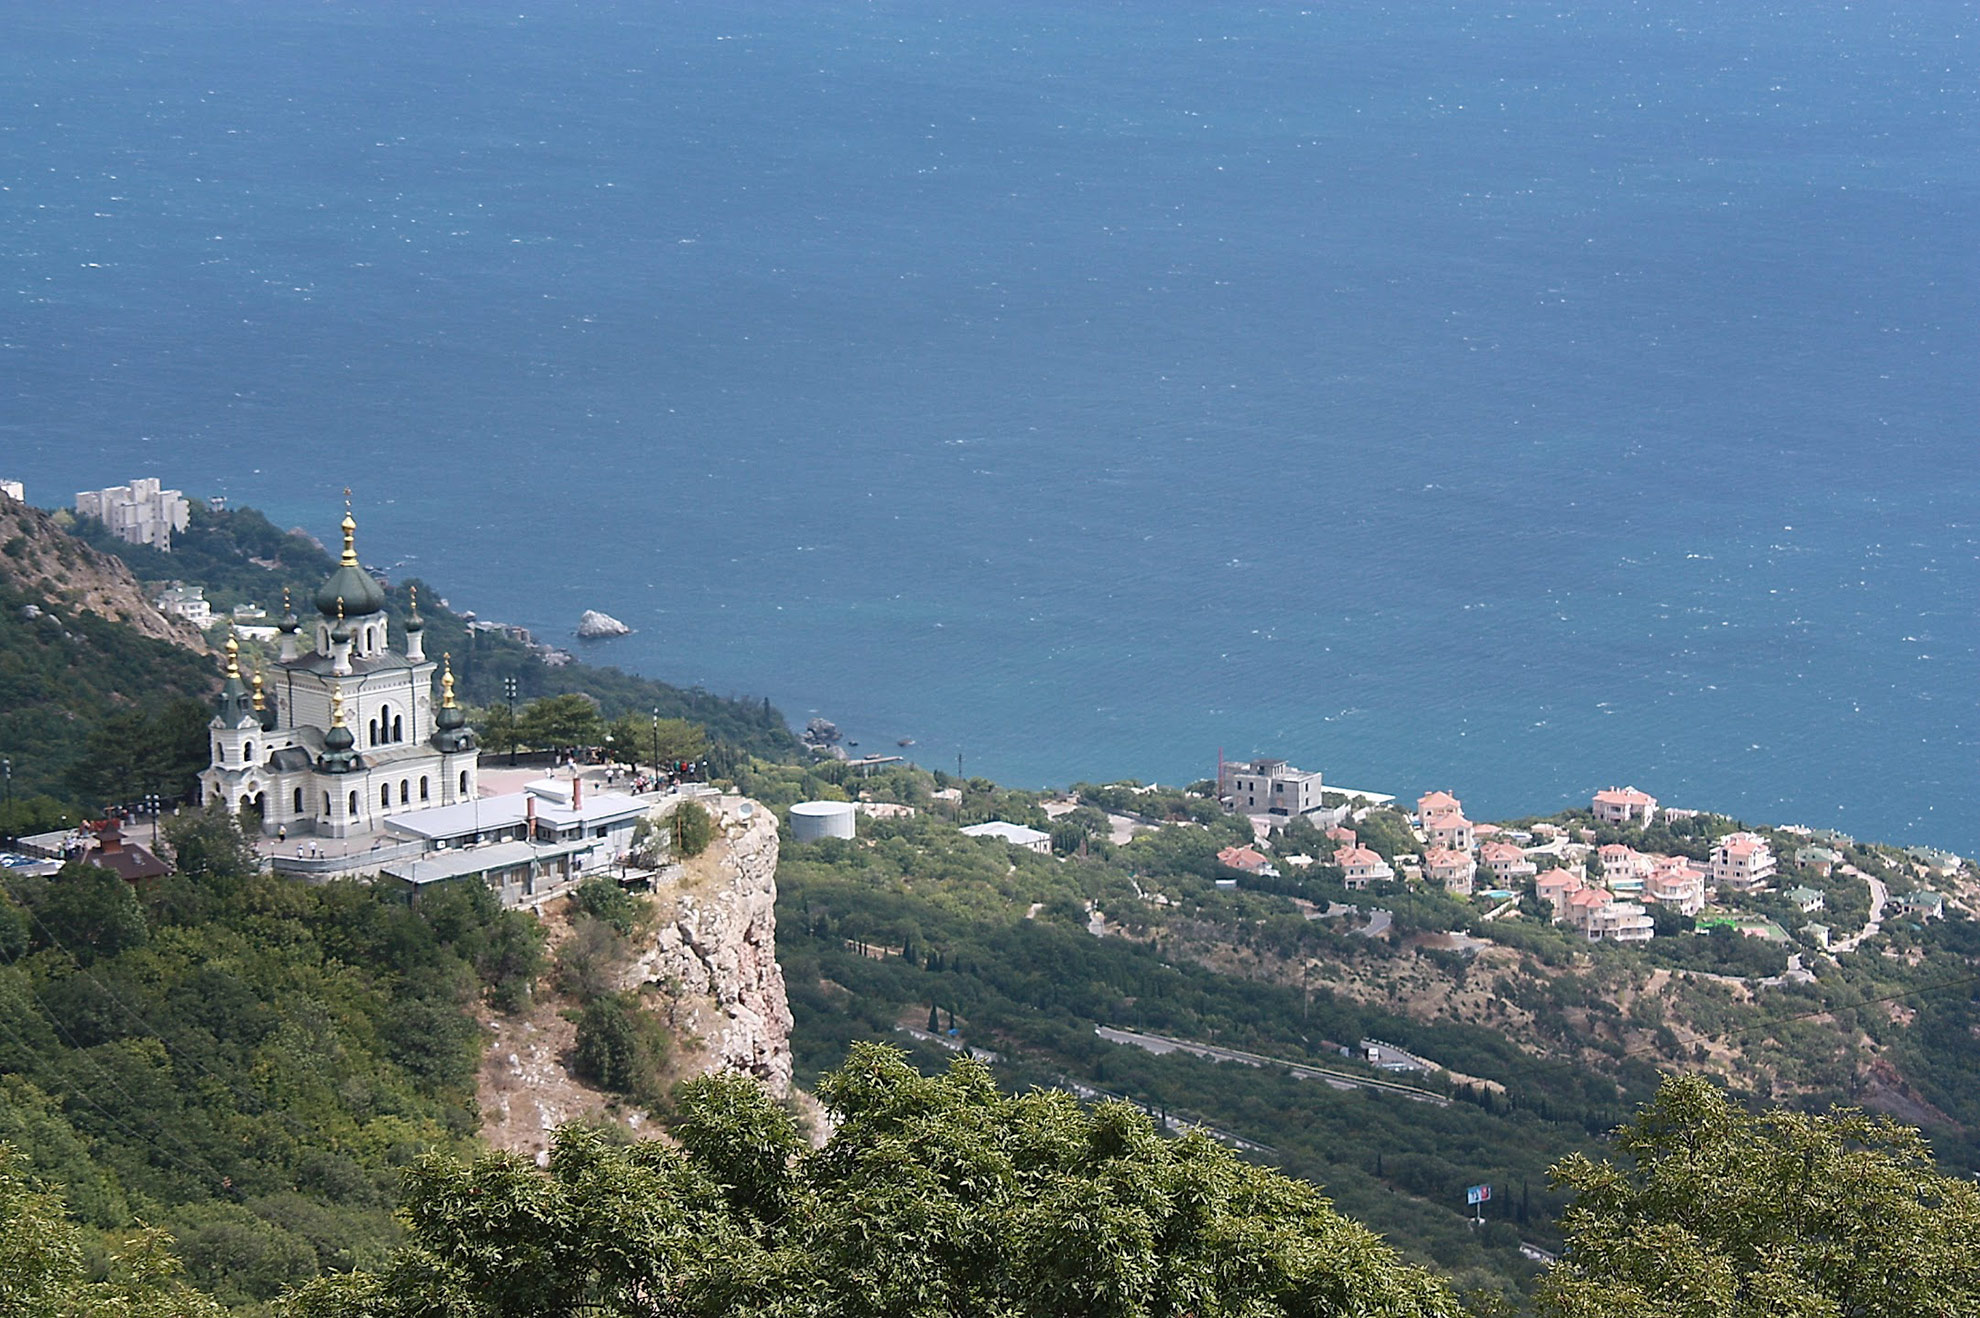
40 560
1544 1041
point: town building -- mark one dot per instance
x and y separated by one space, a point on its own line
1925 904
1361 867
1432 804
1456 870
1821 859
13 490
1554 887
100 842
140 513
1015 834
1507 863
1451 830
1805 900
1741 862
1272 787
1625 805
1248 859
524 845
346 733
1619 922
1678 884
188 602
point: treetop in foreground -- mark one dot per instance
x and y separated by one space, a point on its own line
1728 1214
936 1196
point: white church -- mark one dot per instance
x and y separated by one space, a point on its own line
346 734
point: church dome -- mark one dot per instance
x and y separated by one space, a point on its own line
357 589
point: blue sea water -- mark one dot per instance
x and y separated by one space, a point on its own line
1514 398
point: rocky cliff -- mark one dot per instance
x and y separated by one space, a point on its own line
715 953
706 963
38 557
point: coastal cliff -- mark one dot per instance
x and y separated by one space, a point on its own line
714 955
705 964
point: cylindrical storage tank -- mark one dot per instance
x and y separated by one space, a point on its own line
811 820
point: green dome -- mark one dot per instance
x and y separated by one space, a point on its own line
358 589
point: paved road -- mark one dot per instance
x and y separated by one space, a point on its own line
1378 921
1880 897
1162 1043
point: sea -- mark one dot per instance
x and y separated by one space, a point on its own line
1513 398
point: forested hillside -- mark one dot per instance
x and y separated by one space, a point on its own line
246 1061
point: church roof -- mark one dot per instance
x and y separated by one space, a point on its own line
321 664
350 591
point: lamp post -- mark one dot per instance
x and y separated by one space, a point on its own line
656 743
153 804
509 689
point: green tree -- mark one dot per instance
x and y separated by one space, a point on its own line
498 728
1724 1213
694 829
633 740
42 1268
561 722
621 1048
934 1196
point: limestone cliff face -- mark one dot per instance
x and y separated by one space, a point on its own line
40 558
713 954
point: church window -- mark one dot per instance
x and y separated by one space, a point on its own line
298 800
247 753
354 807
422 788
326 805
384 796
405 792
371 733
398 727
464 782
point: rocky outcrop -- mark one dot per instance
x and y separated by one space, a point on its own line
713 956
595 625
38 557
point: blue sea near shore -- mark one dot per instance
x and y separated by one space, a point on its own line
1517 399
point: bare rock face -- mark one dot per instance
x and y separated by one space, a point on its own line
714 953
594 625
40 558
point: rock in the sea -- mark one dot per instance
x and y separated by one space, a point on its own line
595 624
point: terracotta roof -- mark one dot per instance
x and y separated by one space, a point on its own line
1349 857
1624 796
1492 851
1436 803
1242 858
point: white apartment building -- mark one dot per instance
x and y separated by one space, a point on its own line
1742 862
140 513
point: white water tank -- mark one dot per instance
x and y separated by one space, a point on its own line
811 820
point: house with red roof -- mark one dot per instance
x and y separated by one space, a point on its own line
1450 830
1678 884
1247 859
1456 870
1555 887
1361 867
1742 862
1625 805
1506 862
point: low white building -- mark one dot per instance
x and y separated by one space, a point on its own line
13 490
1015 834
189 602
140 513
1620 922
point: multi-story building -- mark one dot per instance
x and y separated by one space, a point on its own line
1625 805
1271 787
1620 922
1677 884
1507 862
140 513
1450 830
1742 862
1361 867
188 602
1456 870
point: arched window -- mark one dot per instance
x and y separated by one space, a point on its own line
398 728
423 795
247 753
326 805
384 796
298 800
405 792
371 732
464 782
354 805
